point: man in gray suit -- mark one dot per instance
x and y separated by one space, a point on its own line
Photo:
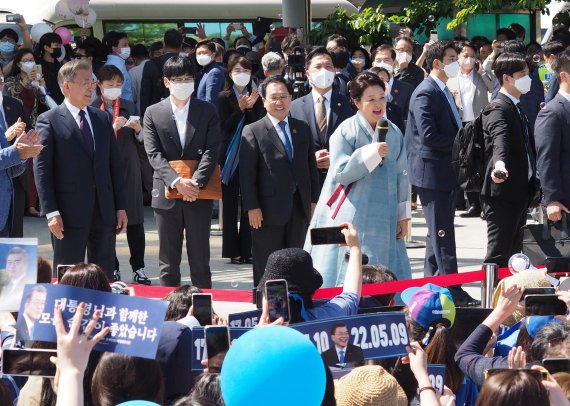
180 128
278 176
552 139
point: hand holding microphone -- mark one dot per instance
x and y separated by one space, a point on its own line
382 131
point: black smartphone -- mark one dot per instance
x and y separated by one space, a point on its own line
13 18
217 346
558 265
28 362
537 291
190 30
544 305
476 66
257 298
555 365
277 296
61 270
202 308
327 235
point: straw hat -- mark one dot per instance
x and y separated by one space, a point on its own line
370 385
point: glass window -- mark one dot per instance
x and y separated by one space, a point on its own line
141 33
218 29
523 19
482 24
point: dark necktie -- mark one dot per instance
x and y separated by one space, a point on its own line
2 122
322 119
86 132
526 126
287 143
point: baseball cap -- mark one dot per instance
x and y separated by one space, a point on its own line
535 323
428 304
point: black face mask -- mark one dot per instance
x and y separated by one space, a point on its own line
56 53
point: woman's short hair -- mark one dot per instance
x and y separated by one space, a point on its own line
513 387
88 276
119 378
109 72
377 69
232 62
363 81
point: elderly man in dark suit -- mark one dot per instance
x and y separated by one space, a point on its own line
79 174
552 137
432 125
342 352
323 109
180 128
278 176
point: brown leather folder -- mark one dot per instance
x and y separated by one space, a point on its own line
186 168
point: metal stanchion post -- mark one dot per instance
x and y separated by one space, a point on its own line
488 284
408 240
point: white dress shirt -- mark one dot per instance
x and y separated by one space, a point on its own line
282 136
180 117
564 94
327 97
467 94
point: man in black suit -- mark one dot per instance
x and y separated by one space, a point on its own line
278 176
510 179
34 304
79 174
180 128
431 128
342 352
323 109
552 137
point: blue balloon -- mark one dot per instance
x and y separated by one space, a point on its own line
275 366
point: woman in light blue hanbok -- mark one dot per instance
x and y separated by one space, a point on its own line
367 185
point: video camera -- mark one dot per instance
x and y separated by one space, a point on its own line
296 63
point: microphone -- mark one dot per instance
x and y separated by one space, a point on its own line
382 127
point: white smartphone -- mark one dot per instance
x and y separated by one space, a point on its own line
433 35
131 120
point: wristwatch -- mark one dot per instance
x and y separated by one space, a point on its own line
201 186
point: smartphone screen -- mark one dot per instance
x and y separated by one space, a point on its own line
61 270
537 291
202 308
28 362
190 30
217 346
555 365
276 293
558 265
13 18
544 305
327 235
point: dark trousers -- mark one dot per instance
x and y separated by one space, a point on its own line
439 211
136 241
97 238
504 222
195 219
235 242
18 209
268 238
146 174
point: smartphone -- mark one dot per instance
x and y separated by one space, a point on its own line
13 18
38 71
257 296
237 26
327 235
544 305
190 30
537 291
500 175
433 35
555 365
277 296
61 270
131 120
28 362
202 308
558 265
217 346
477 66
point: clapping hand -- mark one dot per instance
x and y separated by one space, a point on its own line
15 130
28 144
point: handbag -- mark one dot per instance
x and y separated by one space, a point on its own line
549 239
185 169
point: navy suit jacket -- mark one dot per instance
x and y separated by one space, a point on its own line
401 93
353 354
430 132
67 179
303 109
552 139
210 83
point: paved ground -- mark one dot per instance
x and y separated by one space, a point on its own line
470 237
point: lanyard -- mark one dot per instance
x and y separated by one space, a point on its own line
116 109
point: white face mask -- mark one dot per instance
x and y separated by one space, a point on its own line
322 78
386 66
112 93
181 91
125 52
403 57
203 60
523 84
468 62
359 61
183 54
451 70
27 67
241 79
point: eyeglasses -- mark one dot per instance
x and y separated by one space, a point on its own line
86 83
282 98
342 334
181 80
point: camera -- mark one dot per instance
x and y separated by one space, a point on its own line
296 63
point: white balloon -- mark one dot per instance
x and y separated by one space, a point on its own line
63 11
78 7
62 57
38 30
86 21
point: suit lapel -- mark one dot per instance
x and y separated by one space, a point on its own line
172 129
336 106
193 117
309 107
69 122
450 112
295 139
98 132
274 137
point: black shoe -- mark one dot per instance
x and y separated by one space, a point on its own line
471 212
140 277
116 275
463 299
237 261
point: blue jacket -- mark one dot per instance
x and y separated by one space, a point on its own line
211 82
10 166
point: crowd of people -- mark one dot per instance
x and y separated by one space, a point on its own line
347 137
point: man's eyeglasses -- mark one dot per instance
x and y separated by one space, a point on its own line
282 98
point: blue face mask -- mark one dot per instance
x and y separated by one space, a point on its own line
6 47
